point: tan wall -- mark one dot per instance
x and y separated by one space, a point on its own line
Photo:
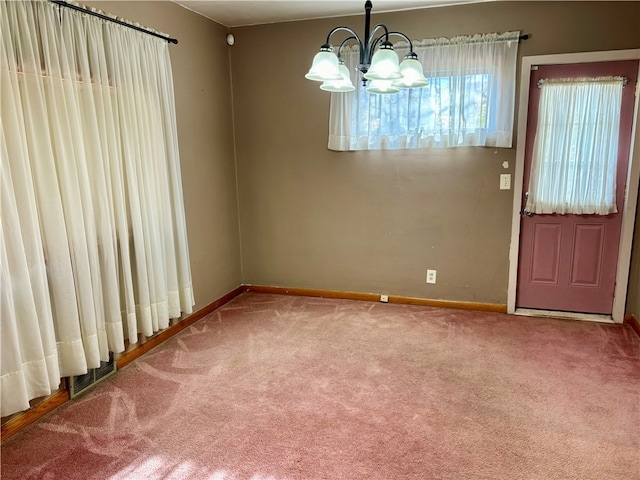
200 63
375 221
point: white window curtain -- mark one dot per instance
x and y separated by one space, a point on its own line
469 100
575 150
93 234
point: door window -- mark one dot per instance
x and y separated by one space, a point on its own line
576 146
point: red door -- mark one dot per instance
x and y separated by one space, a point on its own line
568 262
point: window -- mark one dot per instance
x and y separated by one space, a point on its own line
469 100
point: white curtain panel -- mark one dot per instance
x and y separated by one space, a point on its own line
469 100
575 150
94 245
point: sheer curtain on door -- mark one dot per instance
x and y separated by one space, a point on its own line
575 152
93 245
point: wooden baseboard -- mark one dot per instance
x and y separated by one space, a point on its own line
129 356
26 418
20 421
633 322
374 297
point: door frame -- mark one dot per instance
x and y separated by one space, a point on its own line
630 198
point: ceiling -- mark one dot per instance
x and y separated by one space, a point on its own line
236 13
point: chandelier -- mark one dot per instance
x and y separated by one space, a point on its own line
378 63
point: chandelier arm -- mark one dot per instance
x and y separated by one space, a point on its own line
375 43
373 33
400 34
353 35
346 29
344 42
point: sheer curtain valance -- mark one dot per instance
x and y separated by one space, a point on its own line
93 234
469 100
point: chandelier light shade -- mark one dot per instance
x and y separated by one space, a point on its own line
384 64
325 66
412 74
382 86
342 85
378 62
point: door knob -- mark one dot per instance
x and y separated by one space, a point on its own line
523 212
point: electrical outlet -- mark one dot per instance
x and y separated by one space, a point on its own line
431 276
505 181
384 298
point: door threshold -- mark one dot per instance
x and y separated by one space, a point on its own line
587 317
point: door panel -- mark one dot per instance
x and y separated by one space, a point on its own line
545 258
568 262
586 263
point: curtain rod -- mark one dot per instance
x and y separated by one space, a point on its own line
63 3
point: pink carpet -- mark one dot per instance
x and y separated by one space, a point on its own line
274 387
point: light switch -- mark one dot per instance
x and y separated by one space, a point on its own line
505 181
